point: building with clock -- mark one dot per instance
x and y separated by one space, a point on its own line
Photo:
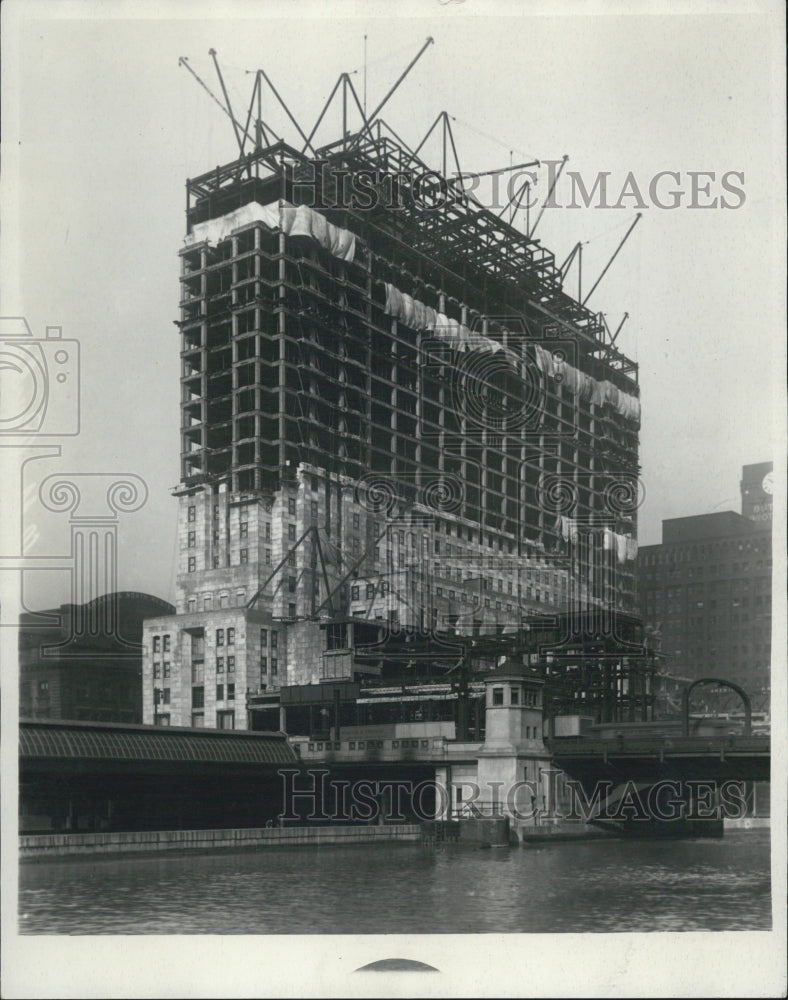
757 485
708 590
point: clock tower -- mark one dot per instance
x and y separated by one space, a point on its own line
757 484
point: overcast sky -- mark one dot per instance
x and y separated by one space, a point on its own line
109 128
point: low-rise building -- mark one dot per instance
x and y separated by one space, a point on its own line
84 661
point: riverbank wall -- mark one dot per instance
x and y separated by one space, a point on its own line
748 823
44 846
552 833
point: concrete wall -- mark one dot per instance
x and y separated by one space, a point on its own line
56 845
485 831
306 642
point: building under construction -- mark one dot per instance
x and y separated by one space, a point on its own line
404 443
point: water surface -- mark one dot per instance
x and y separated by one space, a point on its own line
599 885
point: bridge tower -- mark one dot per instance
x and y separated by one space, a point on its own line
512 761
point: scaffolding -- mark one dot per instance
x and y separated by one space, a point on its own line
289 355
489 387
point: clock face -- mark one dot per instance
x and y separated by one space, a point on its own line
768 483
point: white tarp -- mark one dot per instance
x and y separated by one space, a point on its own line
292 220
425 319
587 387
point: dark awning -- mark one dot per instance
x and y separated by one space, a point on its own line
105 741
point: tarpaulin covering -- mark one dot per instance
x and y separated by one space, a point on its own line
567 527
292 220
586 387
425 319
625 547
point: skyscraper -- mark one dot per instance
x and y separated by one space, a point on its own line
395 419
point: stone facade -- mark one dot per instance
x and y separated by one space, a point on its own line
198 667
319 545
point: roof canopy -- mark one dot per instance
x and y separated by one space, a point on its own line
96 741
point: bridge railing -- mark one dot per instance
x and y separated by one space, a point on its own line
653 745
367 750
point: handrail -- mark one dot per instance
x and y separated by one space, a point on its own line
574 745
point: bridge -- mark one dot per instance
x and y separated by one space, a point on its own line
638 757
100 776
687 750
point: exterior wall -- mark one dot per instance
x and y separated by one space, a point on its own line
306 643
44 846
513 715
235 666
41 693
508 782
707 588
220 562
70 671
460 782
756 492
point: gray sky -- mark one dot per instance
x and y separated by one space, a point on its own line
109 128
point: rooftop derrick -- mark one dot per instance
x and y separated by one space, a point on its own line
439 229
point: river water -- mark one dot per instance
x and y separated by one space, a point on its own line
599 885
